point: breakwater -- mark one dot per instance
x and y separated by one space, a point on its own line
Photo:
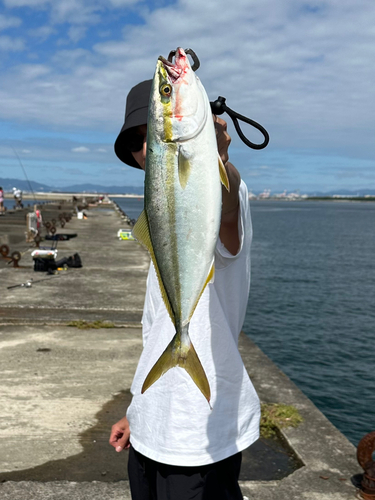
69 346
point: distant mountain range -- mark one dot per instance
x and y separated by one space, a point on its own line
8 184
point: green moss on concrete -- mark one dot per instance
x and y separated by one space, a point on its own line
277 416
83 325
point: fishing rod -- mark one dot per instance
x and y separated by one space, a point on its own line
29 283
24 171
219 107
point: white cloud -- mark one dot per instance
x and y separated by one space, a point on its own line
75 11
61 11
76 33
35 72
25 3
9 22
123 3
57 148
43 32
11 44
306 75
101 150
66 59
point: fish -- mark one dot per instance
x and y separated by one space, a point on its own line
180 223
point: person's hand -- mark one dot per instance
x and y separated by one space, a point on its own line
120 434
222 137
230 201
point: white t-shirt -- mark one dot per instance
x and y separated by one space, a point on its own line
172 422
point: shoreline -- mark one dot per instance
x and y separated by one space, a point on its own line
62 196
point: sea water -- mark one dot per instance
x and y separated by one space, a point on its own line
131 206
312 301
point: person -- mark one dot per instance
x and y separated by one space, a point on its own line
1 201
179 448
17 194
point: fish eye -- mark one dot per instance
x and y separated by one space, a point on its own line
166 90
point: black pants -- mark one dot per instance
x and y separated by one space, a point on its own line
151 480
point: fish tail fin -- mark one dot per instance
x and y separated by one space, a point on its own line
196 371
180 354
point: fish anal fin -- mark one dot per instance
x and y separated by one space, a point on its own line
210 279
141 232
184 356
223 174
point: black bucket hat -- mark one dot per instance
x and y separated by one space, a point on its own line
136 112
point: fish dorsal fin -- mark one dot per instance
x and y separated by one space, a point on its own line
210 279
141 232
223 174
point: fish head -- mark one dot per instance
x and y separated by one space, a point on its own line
179 106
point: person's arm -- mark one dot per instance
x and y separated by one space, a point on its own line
229 212
120 434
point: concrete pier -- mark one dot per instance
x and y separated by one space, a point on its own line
62 387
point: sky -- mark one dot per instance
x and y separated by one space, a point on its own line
304 70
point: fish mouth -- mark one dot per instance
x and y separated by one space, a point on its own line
177 69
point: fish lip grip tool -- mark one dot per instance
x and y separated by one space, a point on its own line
219 107
196 62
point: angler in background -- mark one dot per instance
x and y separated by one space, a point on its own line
180 448
17 194
1 201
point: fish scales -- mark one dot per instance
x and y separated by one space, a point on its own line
182 212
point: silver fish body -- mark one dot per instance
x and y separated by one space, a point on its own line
181 221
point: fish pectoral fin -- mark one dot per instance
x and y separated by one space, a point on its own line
223 174
141 233
183 356
184 169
